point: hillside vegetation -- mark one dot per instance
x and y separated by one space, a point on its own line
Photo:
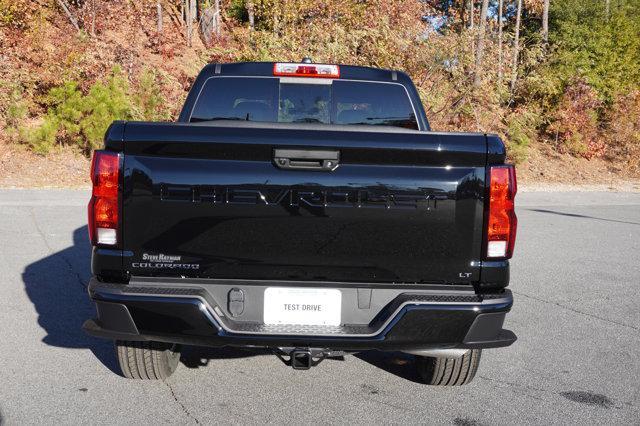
564 97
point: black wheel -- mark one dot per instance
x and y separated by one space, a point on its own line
449 371
147 360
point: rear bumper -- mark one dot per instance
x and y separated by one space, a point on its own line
401 319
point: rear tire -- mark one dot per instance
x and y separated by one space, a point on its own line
448 371
147 360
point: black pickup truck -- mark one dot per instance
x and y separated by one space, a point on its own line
305 208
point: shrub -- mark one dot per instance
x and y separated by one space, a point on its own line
624 130
105 103
14 13
521 132
237 10
575 122
66 107
81 120
43 137
12 96
148 102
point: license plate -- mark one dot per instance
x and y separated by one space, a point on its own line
302 306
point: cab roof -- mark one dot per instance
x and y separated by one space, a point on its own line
350 72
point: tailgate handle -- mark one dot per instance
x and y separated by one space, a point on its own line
306 159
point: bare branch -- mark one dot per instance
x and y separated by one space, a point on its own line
545 21
480 46
159 17
516 49
500 54
72 18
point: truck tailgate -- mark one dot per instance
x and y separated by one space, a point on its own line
211 202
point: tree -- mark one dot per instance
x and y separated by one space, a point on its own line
250 11
545 21
500 59
191 12
159 18
605 54
516 49
480 48
471 8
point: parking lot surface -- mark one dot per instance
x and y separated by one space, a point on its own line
576 283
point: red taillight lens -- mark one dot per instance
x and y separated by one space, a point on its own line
103 206
306 70
502 221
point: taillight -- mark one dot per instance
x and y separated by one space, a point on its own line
103 206
306 70
502 221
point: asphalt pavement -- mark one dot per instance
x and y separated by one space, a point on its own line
575 278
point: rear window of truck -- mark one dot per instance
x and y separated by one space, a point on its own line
288 100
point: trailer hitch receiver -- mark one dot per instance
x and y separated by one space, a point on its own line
301 359
305 358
